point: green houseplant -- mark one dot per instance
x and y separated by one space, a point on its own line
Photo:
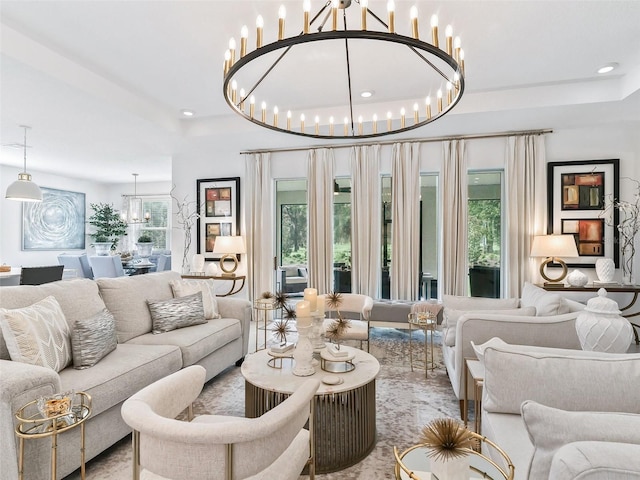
144 238
109 226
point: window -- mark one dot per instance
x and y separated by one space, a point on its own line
485 233
158 227
342 235
291 202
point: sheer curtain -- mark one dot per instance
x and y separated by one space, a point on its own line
405 211
259 224
526 215
365 219
454 218
320 218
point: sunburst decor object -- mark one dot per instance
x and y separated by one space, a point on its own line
267 295
344 48
288 313
281 299
281 329
446 439
334 300
338 328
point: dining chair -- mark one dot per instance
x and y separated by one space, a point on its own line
79 263
40 275
109 266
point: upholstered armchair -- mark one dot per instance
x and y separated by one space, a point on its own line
79 263
356 307
274 446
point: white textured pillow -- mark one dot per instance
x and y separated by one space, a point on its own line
452 316
37 334
460 302
551 428
182 288
546 303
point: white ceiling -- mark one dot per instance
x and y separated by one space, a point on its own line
102 83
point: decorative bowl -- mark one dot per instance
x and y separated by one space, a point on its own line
54 405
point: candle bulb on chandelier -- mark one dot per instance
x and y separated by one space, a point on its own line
252 106
416 113
448 34
375 123
363 13
331 126
275 116
234 91
428 104
456 82
232 51
317 122
360 125
288 119
147 216
391 9
449 93
264 112
457 43
388 121
282 13
334 15
402 119
434 31
302 123
242 97
346 126
439 101
306 8
461 60
227 60
244 35
414 22
259 27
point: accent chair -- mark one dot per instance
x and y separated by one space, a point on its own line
357 308
79 263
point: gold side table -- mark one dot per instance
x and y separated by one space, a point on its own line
475 369
263 309
31 425
427 323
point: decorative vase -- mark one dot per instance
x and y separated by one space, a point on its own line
627 266
197 263
456 468
211 270
102 248
577 279
600 327
605 269
303 354
144 252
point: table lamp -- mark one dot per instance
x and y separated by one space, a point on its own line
229 247
553 247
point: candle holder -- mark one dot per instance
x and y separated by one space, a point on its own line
317 334
303 354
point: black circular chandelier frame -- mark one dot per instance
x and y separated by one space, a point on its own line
444 102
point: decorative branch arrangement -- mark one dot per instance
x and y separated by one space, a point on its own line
446 439
628 227
340 325
186 217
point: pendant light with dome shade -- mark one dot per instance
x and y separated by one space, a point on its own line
23 189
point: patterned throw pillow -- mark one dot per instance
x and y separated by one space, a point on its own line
182 288
167 315
37 334
93 338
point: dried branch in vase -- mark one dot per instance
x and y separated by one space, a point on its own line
446 438
187 214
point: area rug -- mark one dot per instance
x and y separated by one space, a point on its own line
405 401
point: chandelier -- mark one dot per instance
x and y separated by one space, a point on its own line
133 214
333 65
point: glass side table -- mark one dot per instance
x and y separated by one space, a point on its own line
427 323
31 425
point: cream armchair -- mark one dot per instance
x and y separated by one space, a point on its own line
274 446
352 303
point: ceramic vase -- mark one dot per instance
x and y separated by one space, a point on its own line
577 279
211 270
605 269
627 266
102 248
451 469
303 354
600 327
144 252
197 263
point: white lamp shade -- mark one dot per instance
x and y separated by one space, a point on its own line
229 245
24 190
554 246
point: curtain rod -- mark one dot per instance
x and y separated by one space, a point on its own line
408 140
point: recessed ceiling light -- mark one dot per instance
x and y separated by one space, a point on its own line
607 68
187 113
366 93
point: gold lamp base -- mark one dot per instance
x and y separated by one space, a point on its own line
553 282
228 272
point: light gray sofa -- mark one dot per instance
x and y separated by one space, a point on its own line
139 359
563 414
537 320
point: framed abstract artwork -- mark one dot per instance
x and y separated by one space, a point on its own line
56 223
576 195
219 200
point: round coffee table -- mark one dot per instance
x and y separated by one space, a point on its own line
344 414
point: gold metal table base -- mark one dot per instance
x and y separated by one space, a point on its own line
426 323
344 423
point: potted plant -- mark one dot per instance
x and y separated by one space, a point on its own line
145 247
109 227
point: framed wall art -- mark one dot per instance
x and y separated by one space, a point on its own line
576 196
219 200
56 223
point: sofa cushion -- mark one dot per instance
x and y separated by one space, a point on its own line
37 334
451 317
551 428
92 338
546 303
291 271
198 341
560 378
596 460
126 298
459 302
120 374
78 299
182 288
167 315
508 432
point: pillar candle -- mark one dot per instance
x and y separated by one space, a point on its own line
303 314
311 296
